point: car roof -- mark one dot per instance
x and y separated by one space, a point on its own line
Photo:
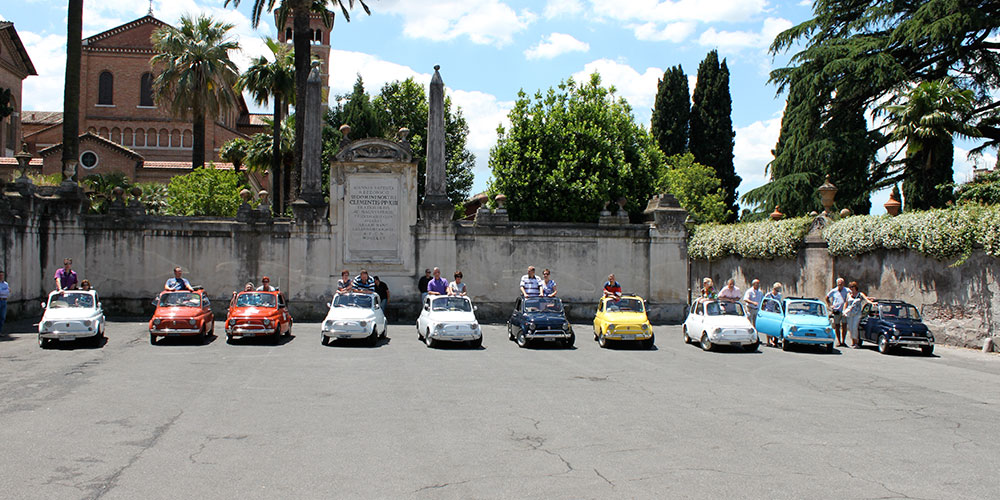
257 291
625 296
893 301
812 299
88 292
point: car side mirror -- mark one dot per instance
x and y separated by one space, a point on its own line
44 305
427 308
475 308
99 306
327 304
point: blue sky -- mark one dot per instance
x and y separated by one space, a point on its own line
490 49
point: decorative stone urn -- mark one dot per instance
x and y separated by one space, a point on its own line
845 213
827 191
776 215
245 195
893 206
23 159
501 200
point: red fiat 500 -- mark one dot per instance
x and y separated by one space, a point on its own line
182 314
258 314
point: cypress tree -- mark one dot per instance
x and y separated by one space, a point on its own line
671 112
711 138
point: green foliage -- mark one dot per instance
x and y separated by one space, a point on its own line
941 234
235 151
154 197
671 112
857 55
404 104
39 179
102 188
711 138
984 189
205 191
753 240
569 151
695 186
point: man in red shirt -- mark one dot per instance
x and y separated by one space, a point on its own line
612 288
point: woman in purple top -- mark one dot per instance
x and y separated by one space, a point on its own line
65 276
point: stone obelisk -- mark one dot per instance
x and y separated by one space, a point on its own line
436 205
310 205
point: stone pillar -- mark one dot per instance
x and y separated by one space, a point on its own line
817 276
668 260
310 205
436 205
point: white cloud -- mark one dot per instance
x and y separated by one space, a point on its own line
752 151
681 10
554 45
346 65
484 22
672 32
639 89
806 3
736 40
484 113
48 54
557 8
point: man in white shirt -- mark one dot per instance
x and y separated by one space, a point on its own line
836 298
530 284
730 292
752 301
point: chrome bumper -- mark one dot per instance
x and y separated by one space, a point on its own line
166 332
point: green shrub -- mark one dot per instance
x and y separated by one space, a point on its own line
205 191
154 197
754 240
942 234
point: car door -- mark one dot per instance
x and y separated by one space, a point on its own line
207 316
379 313
866 322
599 317
286 319
769 317
422 319
515 316
695 320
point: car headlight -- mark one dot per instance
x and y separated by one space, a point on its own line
531 325
474 326
46 325
191 321
156 322
566 326
439 327
267 322
611 327
86 322
362 323
645 327
717 331
328 325
795 328
232 322
828 330
752 331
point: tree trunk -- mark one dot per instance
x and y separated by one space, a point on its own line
198 149
71 89
276 191
303 57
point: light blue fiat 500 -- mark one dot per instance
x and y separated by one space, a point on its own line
796 321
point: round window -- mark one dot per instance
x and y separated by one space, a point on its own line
88 160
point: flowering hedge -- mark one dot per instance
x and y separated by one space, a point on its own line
941 234
753 240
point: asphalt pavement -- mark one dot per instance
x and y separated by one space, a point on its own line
129 420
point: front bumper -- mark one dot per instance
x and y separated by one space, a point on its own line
629 334
343 333
67 335
809 339
249 331
911 341
174 332
733 338
548 334
453 336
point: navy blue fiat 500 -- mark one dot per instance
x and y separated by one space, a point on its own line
894 323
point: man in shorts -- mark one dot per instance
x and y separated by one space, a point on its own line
836 298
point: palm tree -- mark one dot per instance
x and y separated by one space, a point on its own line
275 81
926 119
300 10
71 87
197 79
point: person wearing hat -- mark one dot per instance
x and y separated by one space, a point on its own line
265 285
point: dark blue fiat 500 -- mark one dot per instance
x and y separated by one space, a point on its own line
894 323
539 319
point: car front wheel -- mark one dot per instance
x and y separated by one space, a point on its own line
276 339
570 341
927 350
510 331
785 344
373 338
428 340
522 341
705 343
687 339
325 340
883 344
649 343
602 341
477 344
152 339
43 342
752 347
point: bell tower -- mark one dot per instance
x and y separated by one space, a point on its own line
319 41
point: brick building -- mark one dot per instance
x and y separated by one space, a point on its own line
116 104
15 66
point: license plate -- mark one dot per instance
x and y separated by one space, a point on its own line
809 334
550 339
343 336
628 337
249 334
173 334
67 339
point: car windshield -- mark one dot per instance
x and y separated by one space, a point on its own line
255 300
543 304
71 299
624 305
180 299
451 304
723 308
801 307
352 300
899 311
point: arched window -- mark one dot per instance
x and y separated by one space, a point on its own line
288 35
319 37
105 88
146 89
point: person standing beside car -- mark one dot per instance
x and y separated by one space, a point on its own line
772 304
4 296
836 298
383 291
752 300
422 285
852 311
65 276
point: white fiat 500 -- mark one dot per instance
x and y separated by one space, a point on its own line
354 316
71 315
450 319
719 322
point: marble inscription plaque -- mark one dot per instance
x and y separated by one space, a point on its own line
373 215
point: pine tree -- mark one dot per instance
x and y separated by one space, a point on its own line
711 127
672 112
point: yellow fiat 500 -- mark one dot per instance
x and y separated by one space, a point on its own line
623 319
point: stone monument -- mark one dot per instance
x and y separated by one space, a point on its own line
310 205
436 206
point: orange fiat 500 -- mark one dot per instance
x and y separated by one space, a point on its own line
258 314
182 314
